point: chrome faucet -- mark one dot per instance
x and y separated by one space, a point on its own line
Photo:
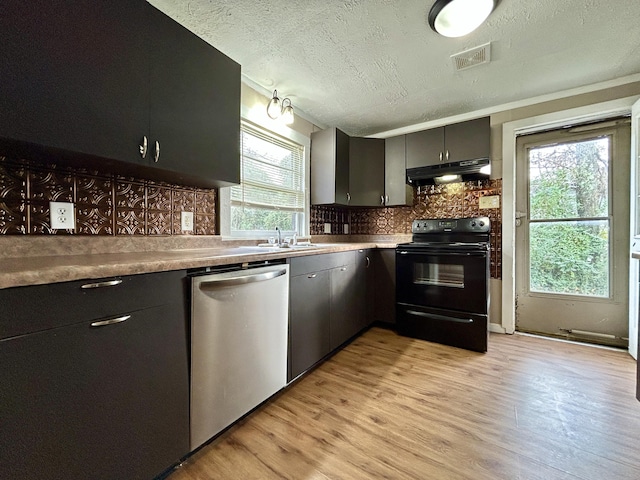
279 237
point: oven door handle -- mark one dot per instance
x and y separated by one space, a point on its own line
443 251
435 316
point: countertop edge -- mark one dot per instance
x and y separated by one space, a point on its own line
17 272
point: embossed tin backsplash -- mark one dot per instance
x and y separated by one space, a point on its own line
456 200
105 204
115 205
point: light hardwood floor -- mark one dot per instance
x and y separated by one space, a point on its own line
398 408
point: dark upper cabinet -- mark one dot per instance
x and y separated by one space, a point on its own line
425 147
467 140
452 143
346 170
396 190
194 104
329 167
75 75
88 81
366 171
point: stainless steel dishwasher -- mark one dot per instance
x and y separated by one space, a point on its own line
239 323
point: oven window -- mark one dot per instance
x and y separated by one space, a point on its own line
439 274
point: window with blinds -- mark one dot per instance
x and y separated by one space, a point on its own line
272 189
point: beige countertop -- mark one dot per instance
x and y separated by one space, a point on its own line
41 269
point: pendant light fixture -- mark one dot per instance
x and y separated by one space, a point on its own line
455 18
280 109
287 112
274 109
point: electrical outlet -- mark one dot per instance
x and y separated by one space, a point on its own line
327 228
186 220
490 201
62 215
345 228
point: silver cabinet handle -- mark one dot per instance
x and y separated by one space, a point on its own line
368 261
241 280
143 147
386 199
343 269
440 156
313 275
381 199
110 283
348 197
157 154
111 321
447 155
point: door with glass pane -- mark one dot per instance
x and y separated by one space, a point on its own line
572 230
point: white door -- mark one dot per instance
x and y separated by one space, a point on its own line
634 277
572 231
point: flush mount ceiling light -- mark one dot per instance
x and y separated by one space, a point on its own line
455 18
280 109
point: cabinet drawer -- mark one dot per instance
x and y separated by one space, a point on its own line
34 308
316 263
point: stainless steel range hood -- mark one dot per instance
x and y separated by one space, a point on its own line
477 169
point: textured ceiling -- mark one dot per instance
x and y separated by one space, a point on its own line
368 66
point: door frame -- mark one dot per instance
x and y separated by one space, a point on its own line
588 113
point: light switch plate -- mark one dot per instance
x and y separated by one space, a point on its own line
186 221
327 228
490 201
62 215
345 228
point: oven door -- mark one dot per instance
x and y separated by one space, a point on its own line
445 278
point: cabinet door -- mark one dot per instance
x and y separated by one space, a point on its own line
96 402
308 321
364 293
75 75
194 104
385 285
346 304
329 167
468 140
366 171
396 190
425 148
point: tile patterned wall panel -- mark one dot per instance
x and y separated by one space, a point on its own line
105 204
456 200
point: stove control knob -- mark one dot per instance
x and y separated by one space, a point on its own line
481 223
473 224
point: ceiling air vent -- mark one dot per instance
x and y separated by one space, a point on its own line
471 58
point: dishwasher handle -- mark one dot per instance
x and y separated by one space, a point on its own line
241 280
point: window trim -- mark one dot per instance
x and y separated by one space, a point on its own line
224 194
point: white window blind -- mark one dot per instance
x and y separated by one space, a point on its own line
272 188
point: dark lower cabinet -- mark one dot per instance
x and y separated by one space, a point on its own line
329 299
104 398
308 320
346 317
384 287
